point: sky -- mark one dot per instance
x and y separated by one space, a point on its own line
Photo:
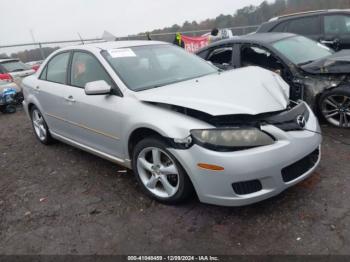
52 20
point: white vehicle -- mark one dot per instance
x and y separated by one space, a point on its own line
178 122
15 68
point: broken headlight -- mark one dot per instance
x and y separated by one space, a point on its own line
231 139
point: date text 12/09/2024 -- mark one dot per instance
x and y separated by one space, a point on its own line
173 258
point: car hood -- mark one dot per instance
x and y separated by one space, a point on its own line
250 90
338 63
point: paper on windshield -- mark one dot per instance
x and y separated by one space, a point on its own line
121 52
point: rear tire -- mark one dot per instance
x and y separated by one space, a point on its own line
334 107
159 173
40 127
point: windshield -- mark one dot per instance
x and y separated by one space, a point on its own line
301 50
14 66
145 67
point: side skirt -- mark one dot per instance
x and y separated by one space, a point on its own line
91 150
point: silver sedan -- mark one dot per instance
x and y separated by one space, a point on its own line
183 126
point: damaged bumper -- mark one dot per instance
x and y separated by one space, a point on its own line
252 175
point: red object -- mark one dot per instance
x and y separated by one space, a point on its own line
192 44
35 67
6 77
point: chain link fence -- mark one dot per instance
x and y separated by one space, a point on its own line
167 37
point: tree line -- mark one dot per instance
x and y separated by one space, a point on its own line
253 15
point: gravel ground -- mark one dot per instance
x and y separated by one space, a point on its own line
60 200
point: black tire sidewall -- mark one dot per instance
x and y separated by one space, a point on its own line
342 91
185 185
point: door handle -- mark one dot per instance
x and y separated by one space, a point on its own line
37 89
70 99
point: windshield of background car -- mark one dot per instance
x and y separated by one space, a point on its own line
15 66
151 66
301 50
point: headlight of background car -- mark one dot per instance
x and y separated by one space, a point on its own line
231 139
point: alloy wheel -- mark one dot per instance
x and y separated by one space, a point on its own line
336 110
158 172
39 125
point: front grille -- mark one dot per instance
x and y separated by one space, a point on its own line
247 187
299 168
287 121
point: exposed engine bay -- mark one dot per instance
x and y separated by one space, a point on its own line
285 119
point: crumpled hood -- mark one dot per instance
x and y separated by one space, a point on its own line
250 90
338 63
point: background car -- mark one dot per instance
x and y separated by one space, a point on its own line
14 69
329 27
35 64
314 72
175 120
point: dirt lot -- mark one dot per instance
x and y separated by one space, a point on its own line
60 200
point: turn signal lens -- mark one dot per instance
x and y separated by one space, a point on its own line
210 167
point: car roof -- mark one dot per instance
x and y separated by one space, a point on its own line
115 44
315 12
8 60
258 38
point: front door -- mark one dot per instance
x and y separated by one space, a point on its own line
94 119
253 55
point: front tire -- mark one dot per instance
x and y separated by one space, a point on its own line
334 106
159 173
40 127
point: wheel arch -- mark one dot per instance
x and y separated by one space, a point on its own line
139 134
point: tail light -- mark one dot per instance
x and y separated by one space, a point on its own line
6 77
35 67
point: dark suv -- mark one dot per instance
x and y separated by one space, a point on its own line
330 27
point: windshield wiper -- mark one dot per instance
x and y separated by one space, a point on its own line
18 70
305 63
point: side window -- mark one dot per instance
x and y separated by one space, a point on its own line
85 69
57 68
336 24
281 27
304 26
257 56
221 56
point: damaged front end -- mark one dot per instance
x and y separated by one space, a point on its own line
246 129
284 119
312 84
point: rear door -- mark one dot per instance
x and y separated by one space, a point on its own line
51 91
336 30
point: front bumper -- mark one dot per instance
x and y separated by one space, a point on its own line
264 164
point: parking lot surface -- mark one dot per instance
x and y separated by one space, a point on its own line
60 200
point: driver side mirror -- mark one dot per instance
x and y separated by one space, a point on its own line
99 87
